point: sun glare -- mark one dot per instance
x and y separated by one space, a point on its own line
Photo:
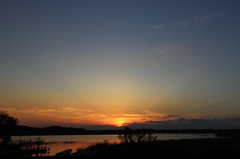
119 122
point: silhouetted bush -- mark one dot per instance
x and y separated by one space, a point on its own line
136 136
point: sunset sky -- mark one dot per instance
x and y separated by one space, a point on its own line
101 64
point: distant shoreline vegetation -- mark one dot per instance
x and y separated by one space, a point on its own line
58 130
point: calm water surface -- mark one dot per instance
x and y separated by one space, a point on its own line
58 143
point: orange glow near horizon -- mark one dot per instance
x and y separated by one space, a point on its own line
70 116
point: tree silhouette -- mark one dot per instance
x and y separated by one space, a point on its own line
7 125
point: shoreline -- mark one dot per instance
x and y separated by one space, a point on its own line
188 148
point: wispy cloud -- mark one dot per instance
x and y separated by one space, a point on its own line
145 115
60 112
69 109
46 110
201 19
171 117
168 49
132 115
182 23
160 26
184 123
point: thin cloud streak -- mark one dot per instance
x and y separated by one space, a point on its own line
168 49
201 19
161 26
182 23
183 123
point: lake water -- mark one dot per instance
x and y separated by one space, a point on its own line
58 143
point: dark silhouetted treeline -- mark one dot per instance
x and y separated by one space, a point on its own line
58 130
52 130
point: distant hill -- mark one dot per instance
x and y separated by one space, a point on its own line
52 130
58 130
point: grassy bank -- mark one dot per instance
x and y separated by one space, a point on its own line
187 148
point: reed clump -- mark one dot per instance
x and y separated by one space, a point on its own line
136 136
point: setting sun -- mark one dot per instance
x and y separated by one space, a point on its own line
119 122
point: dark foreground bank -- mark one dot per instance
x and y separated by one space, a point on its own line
227 148
173 149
